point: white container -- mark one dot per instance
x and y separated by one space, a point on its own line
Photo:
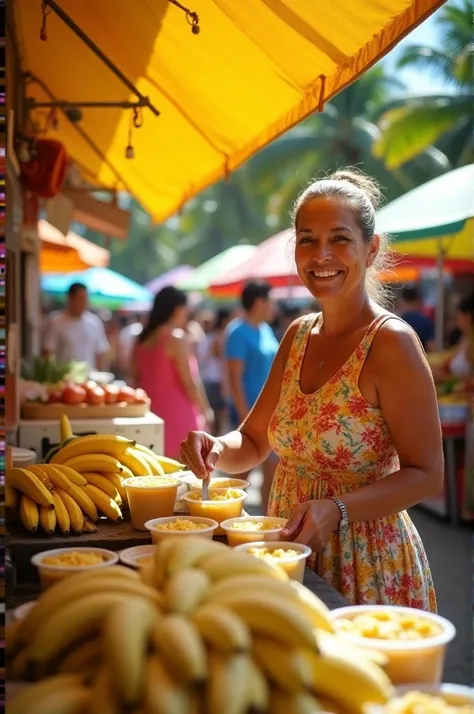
294 566
150 497
216 510
408 660
50 574
453 694
157 535
192 482
133 556
237 537
22 458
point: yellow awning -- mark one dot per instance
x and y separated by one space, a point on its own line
257 68
459 246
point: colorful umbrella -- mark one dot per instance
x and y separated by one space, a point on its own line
175 276
66 254
200 279
105 287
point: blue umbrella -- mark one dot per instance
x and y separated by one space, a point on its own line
103 285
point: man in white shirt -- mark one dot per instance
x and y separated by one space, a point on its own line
77 334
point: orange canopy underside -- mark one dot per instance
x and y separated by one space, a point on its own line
66 254
257 68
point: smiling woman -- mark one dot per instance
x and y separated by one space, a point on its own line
350 410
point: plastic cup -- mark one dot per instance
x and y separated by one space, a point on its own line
50 574
138 556
417 661
237 536
150 497
158 534
194 483
453 694
294 566
216 510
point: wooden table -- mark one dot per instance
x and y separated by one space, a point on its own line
114 536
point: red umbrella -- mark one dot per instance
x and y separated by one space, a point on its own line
272 261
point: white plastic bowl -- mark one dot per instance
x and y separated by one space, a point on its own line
157 534
217 510
294 566
454 694
131 556
408 660
236 537
49 574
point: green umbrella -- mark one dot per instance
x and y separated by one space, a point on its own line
201 278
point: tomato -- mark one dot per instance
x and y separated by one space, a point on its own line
55 396
111 393
141 396
126 394
90 384
74 394
95 396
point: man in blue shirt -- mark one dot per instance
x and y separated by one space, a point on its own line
250 346
413 314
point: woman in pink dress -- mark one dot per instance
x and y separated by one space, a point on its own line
165 367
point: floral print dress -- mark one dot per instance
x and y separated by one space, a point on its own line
331 442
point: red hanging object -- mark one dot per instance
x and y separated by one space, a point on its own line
45 172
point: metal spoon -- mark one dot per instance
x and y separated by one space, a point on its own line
205 488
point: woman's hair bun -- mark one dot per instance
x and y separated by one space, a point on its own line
365 183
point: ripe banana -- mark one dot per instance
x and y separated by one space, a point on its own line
221 566
88 654
104 484
74 476
11 497
61 694
297 703
29 484
176 553
47 520
62 514
222 630
88 526
76 492
95 462
272 617
185 590
116 481
76 516
104 503
134 461
125 638
258 691
103 699
110 444
225 687
364 682
181 646
163 695
287 668
168 465
329 644
29 513
151 460
39 472
65 430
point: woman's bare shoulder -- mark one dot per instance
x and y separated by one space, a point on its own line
395 341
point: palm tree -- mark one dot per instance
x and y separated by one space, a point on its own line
343 135
446 120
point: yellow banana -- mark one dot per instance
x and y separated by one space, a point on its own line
329 644
29 484
176 553
222 630
163 695
106 505
85 655
287 668
110 444
74 476
272 617
76 492
95 462
60 694
364 682
39 472
76 516
116 481
134 461
151 460
104 484
125 637
180 644
296 703
88 526
103 699
221 566
65 430
47 520
226 689
29 513
62 514
185 590
258 691
11 497
147 574
17 665
169 465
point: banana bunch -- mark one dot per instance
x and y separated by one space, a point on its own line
81 480
202 629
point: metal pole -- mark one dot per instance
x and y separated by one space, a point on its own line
98 52
84 105
439 326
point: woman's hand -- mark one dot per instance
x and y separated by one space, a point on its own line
312 523
200 452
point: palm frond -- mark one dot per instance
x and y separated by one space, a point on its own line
427 59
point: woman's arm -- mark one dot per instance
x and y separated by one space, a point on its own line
408 401
248 447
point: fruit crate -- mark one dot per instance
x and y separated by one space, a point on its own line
37 410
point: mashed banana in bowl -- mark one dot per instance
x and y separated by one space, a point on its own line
422 703
181 524
229 494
